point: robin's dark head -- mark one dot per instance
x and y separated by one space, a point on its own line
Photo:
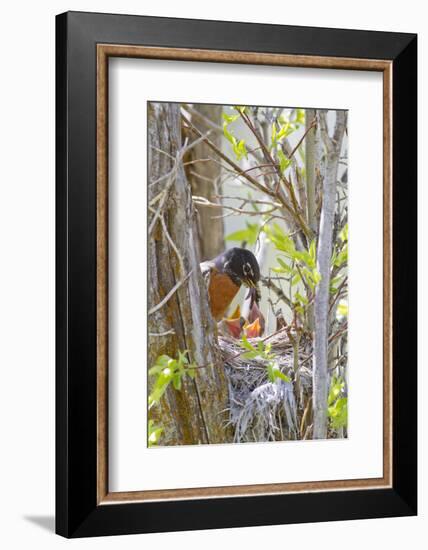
241 265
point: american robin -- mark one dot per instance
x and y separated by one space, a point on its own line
224 276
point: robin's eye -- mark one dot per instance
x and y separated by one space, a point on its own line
248 270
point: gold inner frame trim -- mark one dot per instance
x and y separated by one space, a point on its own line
104 51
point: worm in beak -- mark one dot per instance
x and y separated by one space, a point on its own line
254 294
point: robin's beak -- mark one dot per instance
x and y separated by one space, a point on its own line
249 283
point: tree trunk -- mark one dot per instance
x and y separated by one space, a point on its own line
204 177
310 158
194 414
320 362
311 188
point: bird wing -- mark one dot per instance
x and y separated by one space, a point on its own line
206 269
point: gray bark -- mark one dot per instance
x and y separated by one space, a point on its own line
310 157
195 414
320 361
311 144
204 177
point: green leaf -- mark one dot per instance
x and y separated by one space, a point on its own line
273 139
336 280
247 344
182 358
285 244
285 267
342 309
305 258
307 275
191 372
250 354
300 116
295 280
176 380
338 413
336 386
282 376
284 162
274 373
248 235
316 276
343 235
337 404
240 149
279 239
161 363
286 128
301 298
228 135
229 118
154 433
157 393
342 257
169 370
313 250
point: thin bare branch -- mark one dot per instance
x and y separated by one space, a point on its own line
169 295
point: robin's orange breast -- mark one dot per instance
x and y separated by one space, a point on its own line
221 291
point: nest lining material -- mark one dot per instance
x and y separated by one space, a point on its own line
261 410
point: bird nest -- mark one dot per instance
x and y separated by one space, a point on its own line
263 410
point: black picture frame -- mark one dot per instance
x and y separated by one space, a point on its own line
77 511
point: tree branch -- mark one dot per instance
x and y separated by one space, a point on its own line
320 359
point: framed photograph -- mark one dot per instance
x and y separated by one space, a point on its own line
236 249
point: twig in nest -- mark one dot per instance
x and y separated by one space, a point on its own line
268 337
